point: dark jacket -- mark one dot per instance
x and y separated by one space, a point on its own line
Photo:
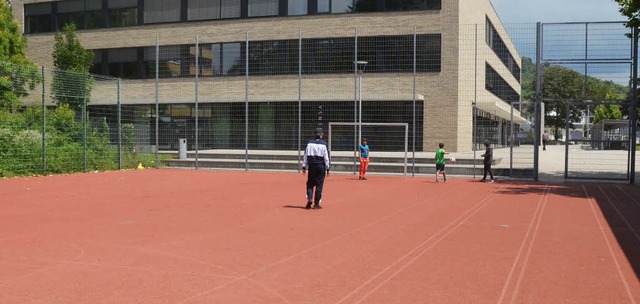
488 156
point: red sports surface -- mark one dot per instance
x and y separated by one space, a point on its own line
177 236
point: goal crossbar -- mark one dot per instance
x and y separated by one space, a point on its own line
383 124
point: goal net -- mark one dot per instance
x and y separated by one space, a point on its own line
390 140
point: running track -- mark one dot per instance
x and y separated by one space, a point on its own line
177 236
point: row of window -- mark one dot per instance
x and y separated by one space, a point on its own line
91 14
281 57
500 48
495 84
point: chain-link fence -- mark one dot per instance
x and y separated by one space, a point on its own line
56 121
250 101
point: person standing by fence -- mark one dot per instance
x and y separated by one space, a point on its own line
316 159
363 150
488 159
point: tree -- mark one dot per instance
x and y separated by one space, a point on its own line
631 10
16 70
607 111
561 85
71 81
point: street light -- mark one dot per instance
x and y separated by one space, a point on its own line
362 64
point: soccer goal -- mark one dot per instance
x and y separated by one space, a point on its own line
389 137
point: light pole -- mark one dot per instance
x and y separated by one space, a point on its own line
359 64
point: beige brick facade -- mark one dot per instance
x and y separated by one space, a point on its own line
447 95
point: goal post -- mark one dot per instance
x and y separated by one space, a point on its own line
357 139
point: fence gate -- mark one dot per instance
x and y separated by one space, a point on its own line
596 148
584 76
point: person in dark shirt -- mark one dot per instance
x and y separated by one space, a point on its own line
488 158
316 160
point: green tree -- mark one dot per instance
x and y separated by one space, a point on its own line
607 111
561 85
16 70
631 10
71 81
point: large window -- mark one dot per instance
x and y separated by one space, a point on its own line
498 46
90 14
38 18
495 84
385 54
86 14
263 8
157 11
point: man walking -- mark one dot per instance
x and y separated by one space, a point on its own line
316 159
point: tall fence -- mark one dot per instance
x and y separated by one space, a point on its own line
245 101
48 127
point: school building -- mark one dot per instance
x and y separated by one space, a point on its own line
431 58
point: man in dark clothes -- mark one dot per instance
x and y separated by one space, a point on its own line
316 159
488 158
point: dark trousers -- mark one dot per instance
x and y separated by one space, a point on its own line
315 178
544 145
487 169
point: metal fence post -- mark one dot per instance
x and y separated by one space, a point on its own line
84 135
355 100
157 100
246 104
299 97
44 127
119 125
196 95
538 112
634 107
413 122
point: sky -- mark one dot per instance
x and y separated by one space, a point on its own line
531 11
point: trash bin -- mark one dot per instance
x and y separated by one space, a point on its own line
182 148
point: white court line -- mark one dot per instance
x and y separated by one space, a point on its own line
528 254
473 210
606 239
344 235
535 216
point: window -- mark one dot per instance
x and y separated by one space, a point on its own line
170 61
86 14
97 62
123 13
495 84
498 46
230 9
38 18
156 11
123 63
205 60
259 8
385 54
232 61
297 8
403 5
341 6
323 6
203 9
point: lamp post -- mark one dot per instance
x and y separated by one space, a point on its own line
360 65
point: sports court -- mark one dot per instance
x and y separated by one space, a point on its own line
185 236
